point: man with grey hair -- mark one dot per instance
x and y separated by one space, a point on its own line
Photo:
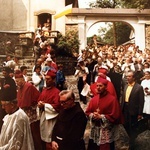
70 125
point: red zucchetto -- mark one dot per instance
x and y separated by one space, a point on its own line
51 73
102 80
103 70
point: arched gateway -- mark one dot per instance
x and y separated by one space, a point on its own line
85 18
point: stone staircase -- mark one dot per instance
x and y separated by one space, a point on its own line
21 46
28 61
22 49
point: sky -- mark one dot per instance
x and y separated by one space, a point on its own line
94 29
85 3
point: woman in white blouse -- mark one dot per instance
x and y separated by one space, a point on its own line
38 78
146 86
81 73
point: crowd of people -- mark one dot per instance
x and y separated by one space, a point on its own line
43 115
127 71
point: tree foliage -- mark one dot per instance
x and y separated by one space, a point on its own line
68 44
122 32
139 4
91 42
106 4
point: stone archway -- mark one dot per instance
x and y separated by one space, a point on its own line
100 28
86 17
138 28
110 21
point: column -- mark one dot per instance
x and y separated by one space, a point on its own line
30 21
140 34
53 26
82 32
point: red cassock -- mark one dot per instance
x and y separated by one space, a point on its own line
51 96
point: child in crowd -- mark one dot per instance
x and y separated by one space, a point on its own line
60 78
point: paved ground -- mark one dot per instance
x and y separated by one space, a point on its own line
72 84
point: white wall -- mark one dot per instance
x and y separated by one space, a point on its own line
52 6
13 15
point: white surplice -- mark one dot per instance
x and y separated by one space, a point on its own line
16 132
47 122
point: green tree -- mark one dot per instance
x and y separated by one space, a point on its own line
139 4
91 42
122 32
106 33
105 4
69 44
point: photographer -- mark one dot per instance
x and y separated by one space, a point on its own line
81 73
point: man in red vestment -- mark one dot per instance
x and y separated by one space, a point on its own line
49 105
104 112
27 97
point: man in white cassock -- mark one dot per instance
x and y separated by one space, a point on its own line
15 133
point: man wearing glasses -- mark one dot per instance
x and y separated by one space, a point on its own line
70 125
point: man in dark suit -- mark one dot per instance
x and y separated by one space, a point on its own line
139 70
132 104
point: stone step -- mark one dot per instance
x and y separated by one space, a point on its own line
27 61
28 53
